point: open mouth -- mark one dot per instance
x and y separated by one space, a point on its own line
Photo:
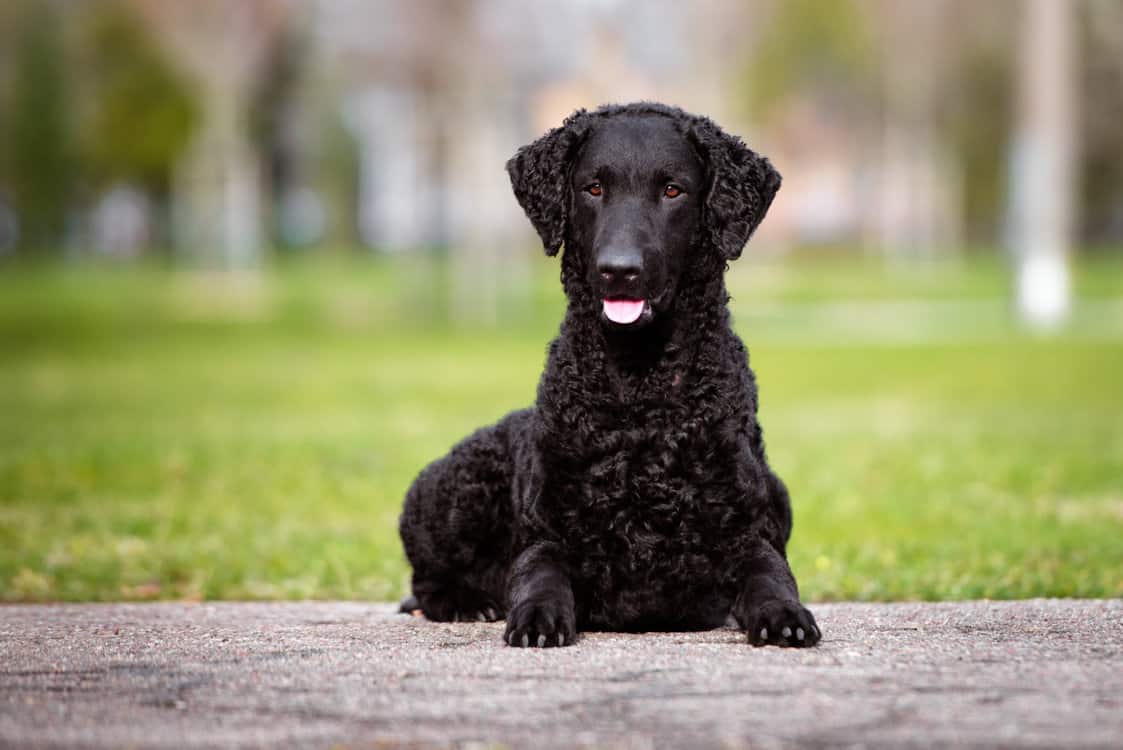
624 311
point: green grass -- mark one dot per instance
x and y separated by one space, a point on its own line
175 435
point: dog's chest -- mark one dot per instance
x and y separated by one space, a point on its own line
650 535
653 503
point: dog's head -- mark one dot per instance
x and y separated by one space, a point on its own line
637 193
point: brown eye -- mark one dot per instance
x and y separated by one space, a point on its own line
672 191
594 190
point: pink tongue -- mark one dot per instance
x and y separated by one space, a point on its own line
623 310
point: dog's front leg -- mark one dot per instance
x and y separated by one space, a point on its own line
541 598
768 608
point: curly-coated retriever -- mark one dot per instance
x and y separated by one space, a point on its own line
635 494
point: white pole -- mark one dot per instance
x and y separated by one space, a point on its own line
1043 174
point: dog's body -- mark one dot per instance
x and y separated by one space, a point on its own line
635 494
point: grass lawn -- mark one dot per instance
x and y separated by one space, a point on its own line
176 435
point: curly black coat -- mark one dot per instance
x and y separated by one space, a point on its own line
635 493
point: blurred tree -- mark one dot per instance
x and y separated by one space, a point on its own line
979 111
309 160
286 123
142 111
271 122
40 163
7 42
812 47
921 212
980 120
216 191
340 177
1101 175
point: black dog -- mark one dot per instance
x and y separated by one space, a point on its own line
634 495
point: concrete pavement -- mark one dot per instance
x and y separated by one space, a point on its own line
1041 673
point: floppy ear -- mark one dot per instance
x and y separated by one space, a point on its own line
540 177
742 186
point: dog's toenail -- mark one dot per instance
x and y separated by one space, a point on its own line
786 632
561 639
526 640
799 634
764 634
541 641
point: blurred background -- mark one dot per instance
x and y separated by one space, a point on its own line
259 263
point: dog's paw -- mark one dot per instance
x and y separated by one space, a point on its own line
780 623
462 605
540 624
484 613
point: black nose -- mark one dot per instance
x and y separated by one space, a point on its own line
619 265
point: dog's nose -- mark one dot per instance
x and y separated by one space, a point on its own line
618 265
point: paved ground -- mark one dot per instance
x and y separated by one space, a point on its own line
1036 673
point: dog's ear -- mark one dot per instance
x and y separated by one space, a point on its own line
742 186
540 177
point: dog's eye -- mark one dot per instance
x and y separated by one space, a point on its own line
594 189
672 191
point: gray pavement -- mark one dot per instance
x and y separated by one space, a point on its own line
1042 673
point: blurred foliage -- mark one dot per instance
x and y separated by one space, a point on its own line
1101 144
834 55
339 176
296 123
91 96
40 157
275 93
272 116
981 110
142 110
824 51
980 117
92 100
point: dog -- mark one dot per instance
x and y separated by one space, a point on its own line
634 495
